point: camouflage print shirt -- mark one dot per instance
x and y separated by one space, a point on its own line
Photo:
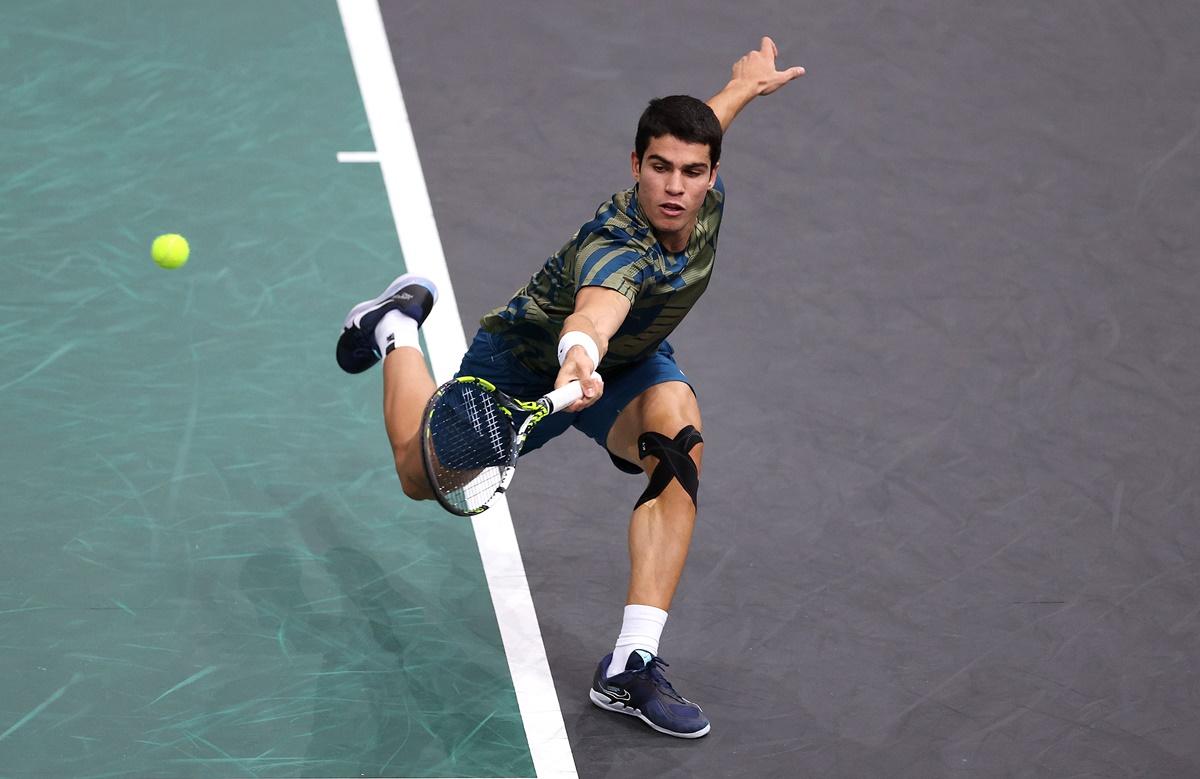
616 250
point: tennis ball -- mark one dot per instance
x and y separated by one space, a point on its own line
170 251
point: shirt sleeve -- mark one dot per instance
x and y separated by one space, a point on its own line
612 262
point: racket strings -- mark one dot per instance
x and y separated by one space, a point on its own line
486 417
472 446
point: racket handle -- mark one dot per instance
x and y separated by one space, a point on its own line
565 395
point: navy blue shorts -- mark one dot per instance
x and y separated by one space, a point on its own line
490 357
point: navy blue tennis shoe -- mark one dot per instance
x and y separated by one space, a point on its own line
642 691
411 295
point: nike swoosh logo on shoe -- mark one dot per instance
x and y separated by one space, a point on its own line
616 695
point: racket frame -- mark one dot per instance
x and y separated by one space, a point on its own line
538 410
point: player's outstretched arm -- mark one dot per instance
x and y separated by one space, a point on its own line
598 313
753 75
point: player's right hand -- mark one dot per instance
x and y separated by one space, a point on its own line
578 365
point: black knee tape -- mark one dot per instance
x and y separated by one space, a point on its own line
673 462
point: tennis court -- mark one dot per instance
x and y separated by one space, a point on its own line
208 570
948 366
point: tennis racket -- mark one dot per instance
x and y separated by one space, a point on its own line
471 437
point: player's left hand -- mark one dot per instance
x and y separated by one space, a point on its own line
758 69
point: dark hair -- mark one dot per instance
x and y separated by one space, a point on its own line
684 117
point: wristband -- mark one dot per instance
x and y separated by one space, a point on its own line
578 338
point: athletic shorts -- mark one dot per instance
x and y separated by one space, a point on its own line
490 357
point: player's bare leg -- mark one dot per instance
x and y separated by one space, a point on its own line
665 419
386 326
660 530
407 387
660 533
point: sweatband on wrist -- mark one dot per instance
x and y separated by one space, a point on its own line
578 338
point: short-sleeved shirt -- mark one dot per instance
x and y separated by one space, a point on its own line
617 250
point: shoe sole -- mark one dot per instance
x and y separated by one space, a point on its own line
603 702
354 318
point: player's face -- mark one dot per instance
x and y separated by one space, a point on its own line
673 178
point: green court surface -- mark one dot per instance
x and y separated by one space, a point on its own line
208 567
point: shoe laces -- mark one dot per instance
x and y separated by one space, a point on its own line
654 668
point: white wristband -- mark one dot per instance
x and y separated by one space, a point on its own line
578 338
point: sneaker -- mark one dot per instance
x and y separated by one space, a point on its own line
411 295
642 691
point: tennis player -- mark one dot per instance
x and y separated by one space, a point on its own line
606 302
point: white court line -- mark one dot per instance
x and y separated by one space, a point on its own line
357 156
413 213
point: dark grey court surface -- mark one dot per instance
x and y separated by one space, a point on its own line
948 367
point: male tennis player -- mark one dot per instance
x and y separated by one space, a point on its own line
606 302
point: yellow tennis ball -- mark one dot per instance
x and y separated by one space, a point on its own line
170 251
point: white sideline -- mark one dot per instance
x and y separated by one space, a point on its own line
422 248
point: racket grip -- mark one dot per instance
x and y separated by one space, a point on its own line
565 395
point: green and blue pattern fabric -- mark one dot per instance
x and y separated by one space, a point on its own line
617 250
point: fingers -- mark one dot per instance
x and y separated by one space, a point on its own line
591 385
593 388
760 65
787 75
780 79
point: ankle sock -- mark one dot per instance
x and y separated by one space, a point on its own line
396 329
641 628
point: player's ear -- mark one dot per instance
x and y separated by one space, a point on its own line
712 176
635 165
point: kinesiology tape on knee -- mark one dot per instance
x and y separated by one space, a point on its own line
674 462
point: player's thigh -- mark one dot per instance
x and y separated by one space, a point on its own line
663 408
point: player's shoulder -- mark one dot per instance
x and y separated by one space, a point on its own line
716 195
713 207
622 212
619 220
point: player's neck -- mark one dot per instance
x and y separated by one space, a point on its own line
678 240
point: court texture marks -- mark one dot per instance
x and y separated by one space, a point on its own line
208 570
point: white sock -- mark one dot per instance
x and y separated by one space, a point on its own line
396 329
640 629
